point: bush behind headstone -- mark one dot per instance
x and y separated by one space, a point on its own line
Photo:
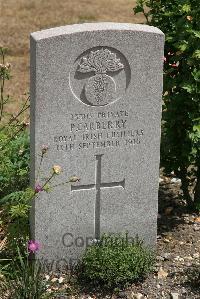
180 148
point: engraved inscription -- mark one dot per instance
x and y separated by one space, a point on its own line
99 130
100 76
100 87
98 185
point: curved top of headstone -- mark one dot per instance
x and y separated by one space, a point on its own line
76 28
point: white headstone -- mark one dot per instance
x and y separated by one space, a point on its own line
96 101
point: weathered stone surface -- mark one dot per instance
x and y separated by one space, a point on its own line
96 101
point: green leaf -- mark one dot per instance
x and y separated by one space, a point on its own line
196 75
188 87
196 128
20 210
169 38
186 8
47 188
196 33
182 46
196 54
168 13
138 9
197 119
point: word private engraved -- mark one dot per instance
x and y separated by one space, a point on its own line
100 76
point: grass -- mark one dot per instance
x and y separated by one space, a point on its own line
21 17
114 262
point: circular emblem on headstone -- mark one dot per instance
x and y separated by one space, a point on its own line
100 76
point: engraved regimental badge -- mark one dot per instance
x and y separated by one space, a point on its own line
100 76
100 87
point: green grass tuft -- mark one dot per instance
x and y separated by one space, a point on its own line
115 261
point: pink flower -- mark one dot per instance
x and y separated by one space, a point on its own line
38 188
164 59
174 65
33 246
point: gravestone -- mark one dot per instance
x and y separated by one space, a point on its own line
96 102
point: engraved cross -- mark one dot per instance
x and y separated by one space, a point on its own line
98 186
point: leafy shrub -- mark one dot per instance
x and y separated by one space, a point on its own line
14 169
15 218
14 138
180 148
114 261
14 163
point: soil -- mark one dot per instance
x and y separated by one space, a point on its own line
178 249
177 270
